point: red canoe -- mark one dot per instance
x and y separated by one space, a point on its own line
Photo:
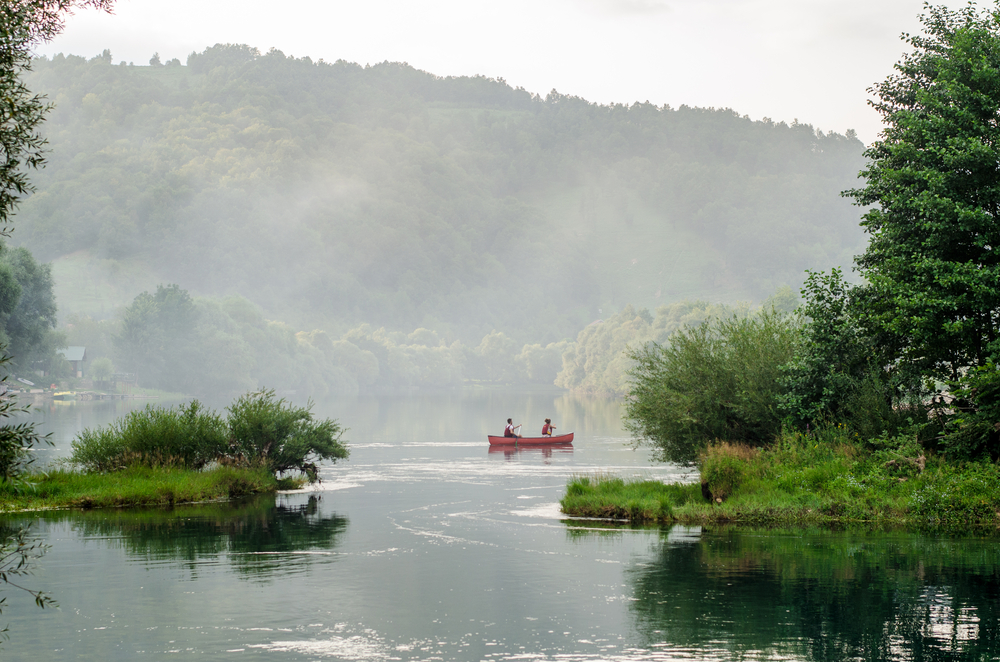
531 441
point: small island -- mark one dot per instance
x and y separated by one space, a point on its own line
169 455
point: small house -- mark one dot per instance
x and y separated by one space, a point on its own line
76 356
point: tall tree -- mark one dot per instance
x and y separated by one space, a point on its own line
933 192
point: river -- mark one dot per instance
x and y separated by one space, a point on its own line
426 545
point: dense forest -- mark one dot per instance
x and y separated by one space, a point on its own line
331 195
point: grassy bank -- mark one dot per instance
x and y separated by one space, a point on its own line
139 486
805 480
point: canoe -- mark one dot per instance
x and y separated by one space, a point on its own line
531 441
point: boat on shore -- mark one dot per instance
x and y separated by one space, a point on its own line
531 441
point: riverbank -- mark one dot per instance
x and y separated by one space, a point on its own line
804 481
139 486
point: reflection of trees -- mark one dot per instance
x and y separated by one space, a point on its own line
591 412
258 537
824 595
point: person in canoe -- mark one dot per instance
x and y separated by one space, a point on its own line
548 428
511 429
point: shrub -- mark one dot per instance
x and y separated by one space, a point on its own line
716 381
261 430
724 467
275 433
187 435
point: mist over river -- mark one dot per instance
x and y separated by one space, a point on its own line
427 545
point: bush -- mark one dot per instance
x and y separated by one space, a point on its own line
188 436
716 381
282 436
725 466
261 430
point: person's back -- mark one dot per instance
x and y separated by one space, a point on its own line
548 428
509 431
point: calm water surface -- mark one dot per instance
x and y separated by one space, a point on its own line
427 546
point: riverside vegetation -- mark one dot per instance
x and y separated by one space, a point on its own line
161 455
875 402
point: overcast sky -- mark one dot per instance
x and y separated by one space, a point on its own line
810 60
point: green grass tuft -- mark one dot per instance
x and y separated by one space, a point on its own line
611 497
135 486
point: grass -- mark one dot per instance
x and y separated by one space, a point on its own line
611 497
139 486
818 479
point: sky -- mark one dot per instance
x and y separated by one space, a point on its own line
806 60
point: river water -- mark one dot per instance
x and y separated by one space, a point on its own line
426 545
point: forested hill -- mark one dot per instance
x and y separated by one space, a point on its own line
334 194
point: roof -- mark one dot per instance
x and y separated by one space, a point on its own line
73 353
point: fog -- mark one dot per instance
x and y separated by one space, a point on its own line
239 216
299 205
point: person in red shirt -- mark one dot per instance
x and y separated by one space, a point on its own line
548 428
511 429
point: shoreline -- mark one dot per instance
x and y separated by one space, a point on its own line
802 483
137 487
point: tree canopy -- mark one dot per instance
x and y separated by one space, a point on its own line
932 189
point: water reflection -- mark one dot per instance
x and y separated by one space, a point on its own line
821 595
260 537
546 451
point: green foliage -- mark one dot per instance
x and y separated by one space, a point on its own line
826 476
28 311
405 200
612 497
718 380
932 192
260 430
187 436
972 430
839 372
725 467
270 431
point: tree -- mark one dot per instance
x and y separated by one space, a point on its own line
715 381
28 325
933 187
932 297
267 429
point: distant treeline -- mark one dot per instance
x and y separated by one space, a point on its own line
330 194
168 340
209 347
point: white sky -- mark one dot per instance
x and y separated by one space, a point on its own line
810 60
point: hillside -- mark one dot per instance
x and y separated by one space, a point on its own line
332 194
